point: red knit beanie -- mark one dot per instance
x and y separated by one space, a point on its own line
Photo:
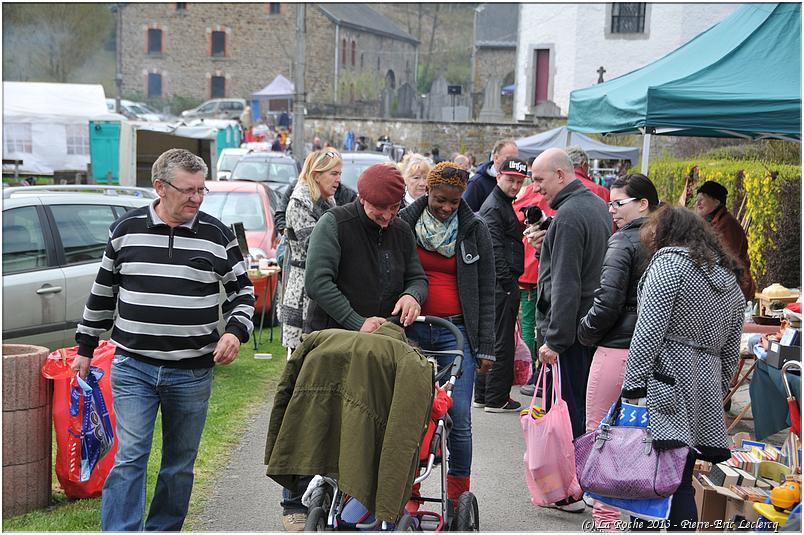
381 185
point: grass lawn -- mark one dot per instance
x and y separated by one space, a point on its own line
237 391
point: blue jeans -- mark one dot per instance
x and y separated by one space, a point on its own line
459 441
138 390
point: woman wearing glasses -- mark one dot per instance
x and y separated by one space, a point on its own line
455 249
312 196
610 322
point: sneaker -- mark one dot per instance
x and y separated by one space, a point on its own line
478 404
527 390
588 500
510 406
568 506
294 521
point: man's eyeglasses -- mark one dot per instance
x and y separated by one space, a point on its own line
622 202
188 191
450 172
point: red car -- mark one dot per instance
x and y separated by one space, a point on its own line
250 203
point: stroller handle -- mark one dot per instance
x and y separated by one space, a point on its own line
438 322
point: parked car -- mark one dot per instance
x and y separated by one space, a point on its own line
276 169
227 160
53 242
355 163
138 111
250 203
217 108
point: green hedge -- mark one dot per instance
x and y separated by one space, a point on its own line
759 186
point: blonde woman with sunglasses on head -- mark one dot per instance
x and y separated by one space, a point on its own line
313 195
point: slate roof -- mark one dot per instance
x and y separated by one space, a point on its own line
362 17
497 25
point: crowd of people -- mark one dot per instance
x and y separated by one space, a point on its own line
635 297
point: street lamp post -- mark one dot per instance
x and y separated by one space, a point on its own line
117 9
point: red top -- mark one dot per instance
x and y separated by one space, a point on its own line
442 275
530 198
597 189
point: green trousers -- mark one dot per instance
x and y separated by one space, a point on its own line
527 322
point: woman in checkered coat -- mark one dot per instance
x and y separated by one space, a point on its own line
686 342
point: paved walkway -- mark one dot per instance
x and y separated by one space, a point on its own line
244 499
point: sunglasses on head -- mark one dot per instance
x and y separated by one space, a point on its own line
450 172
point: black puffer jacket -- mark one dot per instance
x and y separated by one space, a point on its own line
611 320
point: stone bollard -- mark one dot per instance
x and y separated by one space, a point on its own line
27 464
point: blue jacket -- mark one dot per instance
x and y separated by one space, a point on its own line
479 187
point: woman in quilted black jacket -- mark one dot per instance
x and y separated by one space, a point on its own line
610 322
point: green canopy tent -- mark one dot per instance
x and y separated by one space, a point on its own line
740 78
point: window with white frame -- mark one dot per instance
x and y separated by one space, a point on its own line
18 138
77 138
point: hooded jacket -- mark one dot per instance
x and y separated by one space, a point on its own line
354 406
684 351
611 320
475 273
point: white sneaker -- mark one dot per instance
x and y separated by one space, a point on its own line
294 522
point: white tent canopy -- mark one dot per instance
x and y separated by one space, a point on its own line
47 125
562 138
281 87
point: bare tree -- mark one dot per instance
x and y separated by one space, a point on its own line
432 42
50 42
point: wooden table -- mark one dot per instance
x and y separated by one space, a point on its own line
264 291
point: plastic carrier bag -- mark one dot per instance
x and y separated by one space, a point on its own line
523 362
549 461
84 421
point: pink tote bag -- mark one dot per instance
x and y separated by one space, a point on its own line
549 453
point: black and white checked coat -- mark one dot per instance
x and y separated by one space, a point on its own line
685 350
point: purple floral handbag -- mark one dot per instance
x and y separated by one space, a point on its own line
620 462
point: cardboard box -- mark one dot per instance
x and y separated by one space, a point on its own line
711 506
740 514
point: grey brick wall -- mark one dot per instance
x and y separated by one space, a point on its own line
258 47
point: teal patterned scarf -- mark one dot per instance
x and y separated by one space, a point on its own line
436 236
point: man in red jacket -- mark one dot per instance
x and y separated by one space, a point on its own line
580 161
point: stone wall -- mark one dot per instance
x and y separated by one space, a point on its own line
421 136
259 46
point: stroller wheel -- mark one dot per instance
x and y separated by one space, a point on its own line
316 520
406 523
467 516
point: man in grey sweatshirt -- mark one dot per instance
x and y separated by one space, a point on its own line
571 255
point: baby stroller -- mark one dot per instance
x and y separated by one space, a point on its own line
330 509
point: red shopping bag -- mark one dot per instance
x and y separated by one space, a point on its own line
523 362
549 453
69 427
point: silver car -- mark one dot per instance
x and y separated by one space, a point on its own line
53 241
217 108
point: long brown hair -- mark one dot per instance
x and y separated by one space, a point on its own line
676 226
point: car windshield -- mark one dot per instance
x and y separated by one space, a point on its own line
236 207
350 172
228 161
282 172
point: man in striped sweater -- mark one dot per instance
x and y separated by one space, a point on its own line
162 271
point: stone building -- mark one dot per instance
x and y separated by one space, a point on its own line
566 45
202 51
496 29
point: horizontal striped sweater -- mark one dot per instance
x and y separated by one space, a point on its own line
159 287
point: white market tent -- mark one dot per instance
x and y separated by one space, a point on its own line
276 96
46 125
562 138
